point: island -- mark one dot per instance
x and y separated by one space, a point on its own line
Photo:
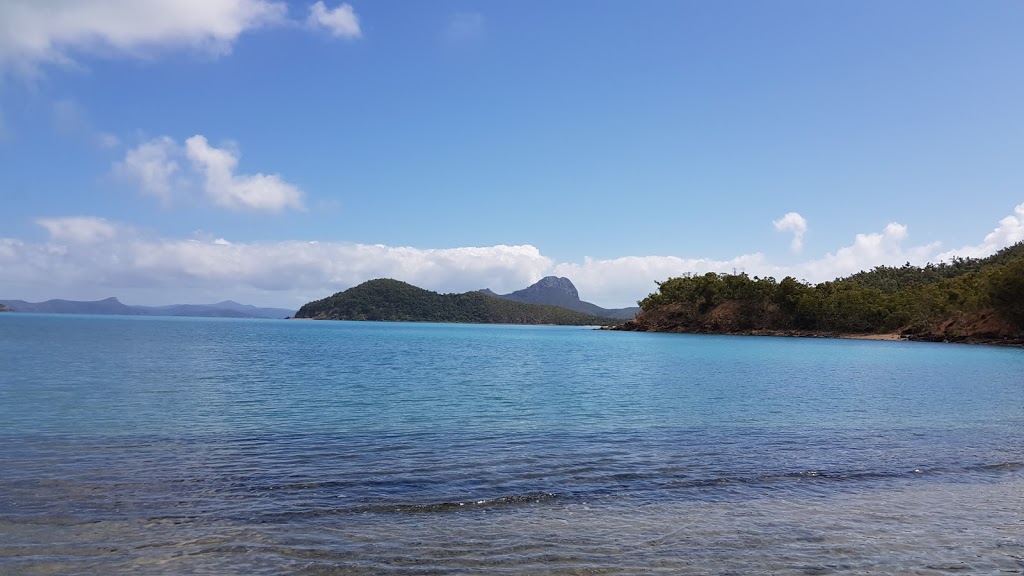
385 299
965 300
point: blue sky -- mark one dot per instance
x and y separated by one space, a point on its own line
196 150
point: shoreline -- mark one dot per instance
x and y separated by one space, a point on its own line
879 337
887 337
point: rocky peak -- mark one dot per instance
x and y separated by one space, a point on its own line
554 283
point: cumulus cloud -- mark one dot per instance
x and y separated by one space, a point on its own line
620 282
341 22
263 192
1009 231
154 167
34 32
884 248
795 223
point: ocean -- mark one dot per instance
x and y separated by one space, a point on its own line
138 445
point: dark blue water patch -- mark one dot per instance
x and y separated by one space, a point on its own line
272 478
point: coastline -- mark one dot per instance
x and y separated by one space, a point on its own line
880 337
888 337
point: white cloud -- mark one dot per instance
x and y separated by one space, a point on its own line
341 22
620 282
263 192
92 258
40 31
795 223
86 252
78 229
154 166
1009 231
867 251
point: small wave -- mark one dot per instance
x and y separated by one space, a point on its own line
500 501
1002 467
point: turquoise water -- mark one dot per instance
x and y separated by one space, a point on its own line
168 445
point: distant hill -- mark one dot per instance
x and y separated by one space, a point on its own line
393 300
225 309
555 291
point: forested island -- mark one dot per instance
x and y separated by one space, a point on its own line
965 300
393 300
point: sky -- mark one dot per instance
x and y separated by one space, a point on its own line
191 151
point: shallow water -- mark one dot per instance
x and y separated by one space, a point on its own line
156 445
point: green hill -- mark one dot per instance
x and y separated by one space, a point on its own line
966 300
392 300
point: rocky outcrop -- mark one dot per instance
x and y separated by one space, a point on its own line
986 327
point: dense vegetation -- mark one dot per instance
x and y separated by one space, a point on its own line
392 300
908 299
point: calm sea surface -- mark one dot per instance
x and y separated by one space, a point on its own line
174 446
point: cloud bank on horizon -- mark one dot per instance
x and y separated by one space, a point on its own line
88 257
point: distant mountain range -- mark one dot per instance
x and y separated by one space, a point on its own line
375 301
391 300
555 291
225 309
